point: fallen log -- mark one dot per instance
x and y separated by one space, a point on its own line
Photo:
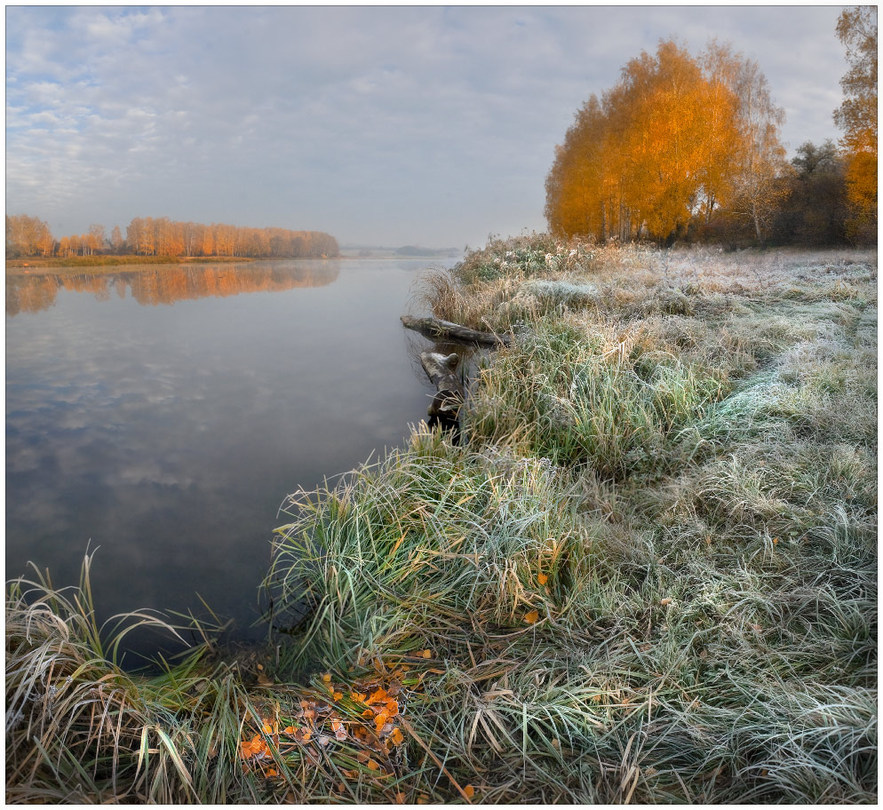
436 328
444 410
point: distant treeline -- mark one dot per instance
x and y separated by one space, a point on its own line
149 236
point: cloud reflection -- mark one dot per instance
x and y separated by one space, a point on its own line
169 436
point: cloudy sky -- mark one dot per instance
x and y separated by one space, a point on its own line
380 125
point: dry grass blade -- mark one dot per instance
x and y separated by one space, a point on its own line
410 729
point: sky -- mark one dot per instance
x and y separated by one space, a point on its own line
381 125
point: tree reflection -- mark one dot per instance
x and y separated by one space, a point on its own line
37 289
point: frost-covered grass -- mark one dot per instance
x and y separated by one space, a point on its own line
658 546
648 577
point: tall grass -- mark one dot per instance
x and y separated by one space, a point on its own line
651 573
80 729
649 576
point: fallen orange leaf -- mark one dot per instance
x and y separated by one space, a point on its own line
378 696
254 747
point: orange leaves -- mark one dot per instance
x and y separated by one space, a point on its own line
382 708
270 728
385 715
254 748
256 752
339 730
533 615
666 146
359 719
378 696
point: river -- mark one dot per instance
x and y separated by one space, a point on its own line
160 415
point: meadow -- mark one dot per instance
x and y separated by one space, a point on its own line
649 575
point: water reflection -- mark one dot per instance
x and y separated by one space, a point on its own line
168 436
35 290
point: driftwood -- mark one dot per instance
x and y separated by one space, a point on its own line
436 328
444 410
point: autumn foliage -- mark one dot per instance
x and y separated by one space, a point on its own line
857 116
677 140
149 236
358 722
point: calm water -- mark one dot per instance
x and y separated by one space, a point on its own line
162 416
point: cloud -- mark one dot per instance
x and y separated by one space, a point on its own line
378 124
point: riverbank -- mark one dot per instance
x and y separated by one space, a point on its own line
649 576
35 264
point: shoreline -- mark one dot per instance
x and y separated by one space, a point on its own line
108 264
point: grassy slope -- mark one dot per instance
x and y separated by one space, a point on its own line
650 575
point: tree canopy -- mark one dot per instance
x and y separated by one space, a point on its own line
674 141
857 115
